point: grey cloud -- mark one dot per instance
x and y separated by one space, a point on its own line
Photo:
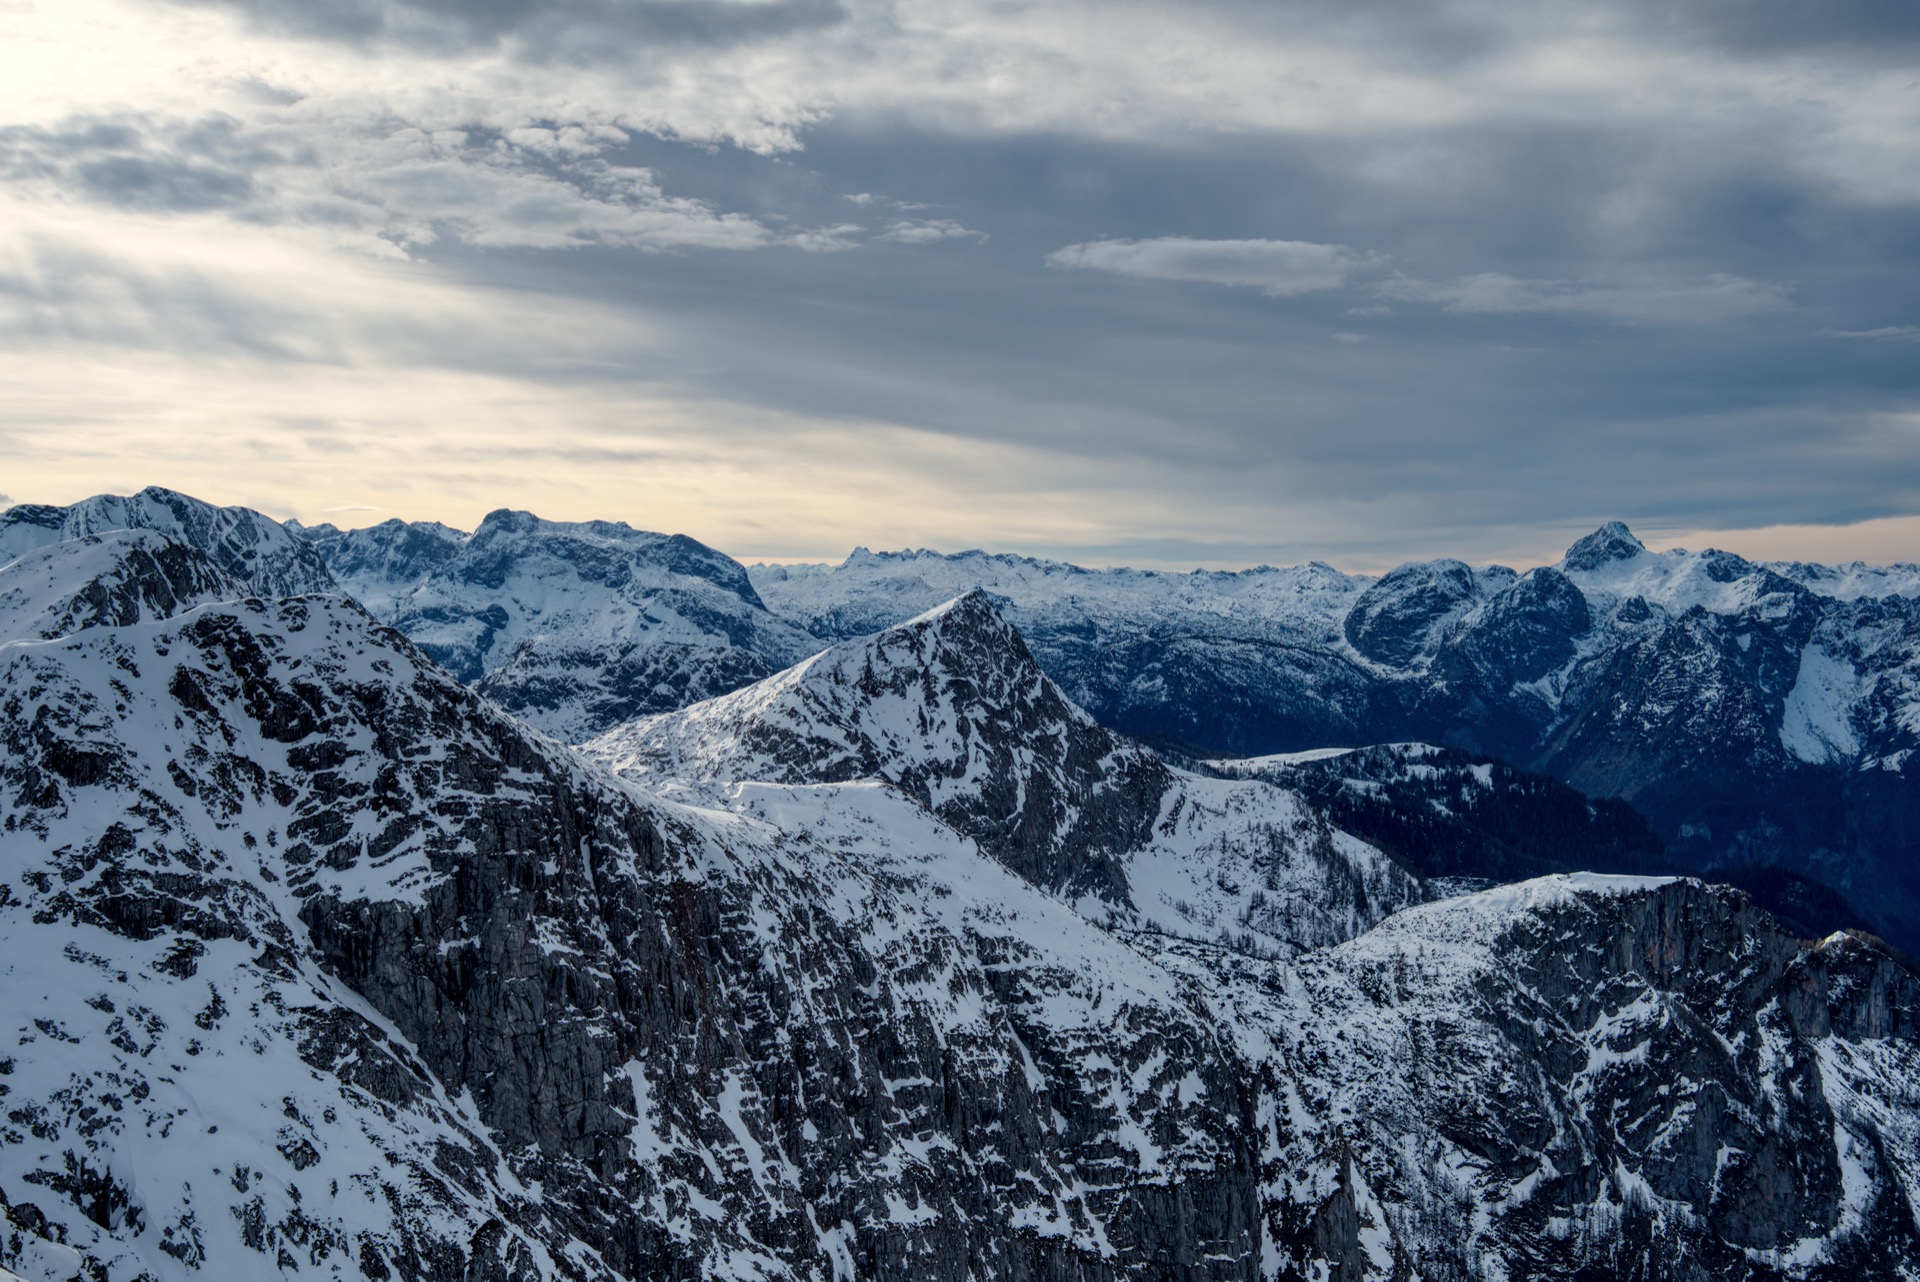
1644 301
1585 307
135 161
1280 268
77 296
1872 28
538 31
533 185
930 231
1883 334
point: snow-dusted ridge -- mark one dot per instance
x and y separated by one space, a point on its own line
110 579
256 550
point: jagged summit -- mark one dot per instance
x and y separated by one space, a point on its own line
951 708
1611 542
269 558
970 611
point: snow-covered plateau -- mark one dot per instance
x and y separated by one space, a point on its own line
889 961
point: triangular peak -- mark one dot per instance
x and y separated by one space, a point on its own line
970 609
1611 542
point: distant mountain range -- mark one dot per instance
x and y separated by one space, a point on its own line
896 962
1761 717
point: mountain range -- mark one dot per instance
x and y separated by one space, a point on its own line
899 960
1760 717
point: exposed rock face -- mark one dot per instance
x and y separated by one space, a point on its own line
574 692
1526 632
320 964
293 859
107 580
1573 1077
1399 619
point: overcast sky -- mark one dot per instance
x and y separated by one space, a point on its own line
1213 282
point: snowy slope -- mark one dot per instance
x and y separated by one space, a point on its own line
109 579
1760 715
189 1078
429 995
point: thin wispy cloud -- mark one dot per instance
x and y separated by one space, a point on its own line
1279 268
1648 301
1881 334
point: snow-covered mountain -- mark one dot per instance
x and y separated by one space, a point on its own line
1241 662
571 624
321 965
109 579
951 709
1593 1077
257 550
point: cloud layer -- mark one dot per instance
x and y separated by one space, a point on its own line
1214 282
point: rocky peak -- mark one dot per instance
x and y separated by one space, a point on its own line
1611 542
949 707
1399 619
1528 630
257 550
392 551
608 549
